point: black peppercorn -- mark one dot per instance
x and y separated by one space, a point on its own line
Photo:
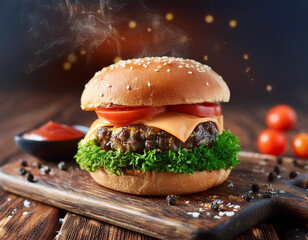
279 160
171 199
23 163
268 194
215 206
272 176
293 174
248 196
45 169
62 165
22 171
37 165
255 187
294 161
29 177
277 170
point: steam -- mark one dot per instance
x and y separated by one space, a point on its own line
56 28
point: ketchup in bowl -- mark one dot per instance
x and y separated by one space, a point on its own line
53 131
52 141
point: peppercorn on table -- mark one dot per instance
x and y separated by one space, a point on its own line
24 218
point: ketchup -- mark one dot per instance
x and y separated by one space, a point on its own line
53 131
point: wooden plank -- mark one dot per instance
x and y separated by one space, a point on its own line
287 230
22 218
75 191
263 231
78 228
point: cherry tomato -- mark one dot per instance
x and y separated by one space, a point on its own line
127 115
273 142
281 117
200 109
300 145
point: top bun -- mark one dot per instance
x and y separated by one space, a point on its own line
154 81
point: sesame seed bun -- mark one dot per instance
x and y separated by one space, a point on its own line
154 81
155 183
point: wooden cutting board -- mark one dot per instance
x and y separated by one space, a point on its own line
191 217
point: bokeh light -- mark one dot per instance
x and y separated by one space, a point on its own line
83 51
233 23
149 29
205 58
209 19
246 56
132 24
67 66
169 16
269 87
72 57
117 59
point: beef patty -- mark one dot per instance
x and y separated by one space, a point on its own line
136 138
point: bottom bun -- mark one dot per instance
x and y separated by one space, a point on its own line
155 183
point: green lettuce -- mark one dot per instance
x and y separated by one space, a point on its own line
223 154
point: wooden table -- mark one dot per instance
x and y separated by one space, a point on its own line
23 110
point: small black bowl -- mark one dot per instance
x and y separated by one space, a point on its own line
50 150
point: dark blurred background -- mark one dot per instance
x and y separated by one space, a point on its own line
259 47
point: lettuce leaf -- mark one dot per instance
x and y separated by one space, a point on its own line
223 154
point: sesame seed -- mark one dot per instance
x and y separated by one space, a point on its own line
148 63
189 72
108 85
187 65
95 80
207 84
168 70
85 85
156 70
101 94
149 84
145 65
131 68
180 66
165 64
139 64
159 66
128 87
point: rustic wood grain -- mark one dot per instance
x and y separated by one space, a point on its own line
262 231
17 221
79 228
287 230
75 191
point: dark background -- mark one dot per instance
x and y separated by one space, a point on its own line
37 36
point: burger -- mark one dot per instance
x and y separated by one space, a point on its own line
159 129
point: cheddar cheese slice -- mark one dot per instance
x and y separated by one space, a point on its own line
179 125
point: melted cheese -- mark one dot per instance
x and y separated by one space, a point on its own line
177 124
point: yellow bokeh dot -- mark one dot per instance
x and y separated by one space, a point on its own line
233 23
169 16
246 56
83 51
72 58
99 11
209 18
132 24
269 88
117 59
67 66
149 29
205 58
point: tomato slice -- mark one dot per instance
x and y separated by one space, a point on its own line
200 109
127 115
